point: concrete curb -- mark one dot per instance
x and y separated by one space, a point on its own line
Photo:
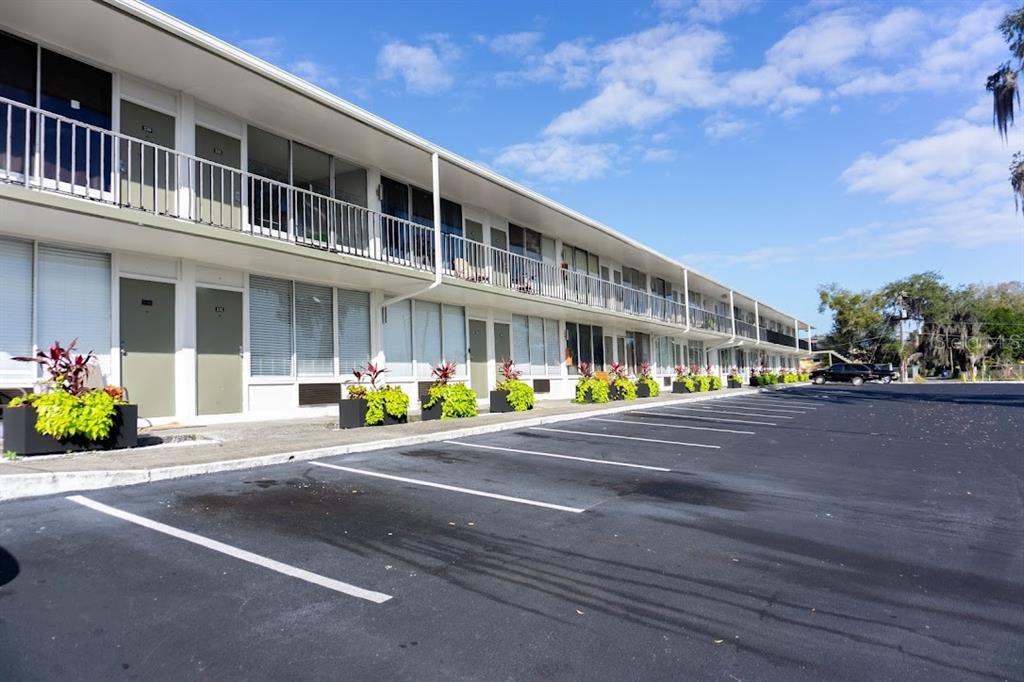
16 486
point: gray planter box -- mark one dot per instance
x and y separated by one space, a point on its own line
351 413
21 437
430 413
679 387
643 390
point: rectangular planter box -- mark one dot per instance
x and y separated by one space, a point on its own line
735 384
391 421
499 402
430 413
20 433
351 413
643 391
589 398
679 387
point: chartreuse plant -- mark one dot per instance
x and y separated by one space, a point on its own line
715 382
391 400
520 394
597 388
703 383
69 409
644 377
457 400
624 389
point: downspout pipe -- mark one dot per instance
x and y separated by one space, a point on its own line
438 262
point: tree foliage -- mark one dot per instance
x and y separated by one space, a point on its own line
1003 84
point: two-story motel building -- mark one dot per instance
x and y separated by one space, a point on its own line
230 239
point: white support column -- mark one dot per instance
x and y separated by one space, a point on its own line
732 313
185 348
373 203
796 333
686 298
757 322
185 142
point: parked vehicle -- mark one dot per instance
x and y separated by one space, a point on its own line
885 373
849 373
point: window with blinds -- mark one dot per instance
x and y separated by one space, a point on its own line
314 330
353 330
16 311
454 334
73 300
521 341
552 346
537 365
426 331
270 326
397 334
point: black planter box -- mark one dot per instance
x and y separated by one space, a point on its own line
589 398
499 402
21 437
679 387
430 413
616 393
391 421
643 390
735 384
351 413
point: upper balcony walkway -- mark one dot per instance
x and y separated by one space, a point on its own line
73 158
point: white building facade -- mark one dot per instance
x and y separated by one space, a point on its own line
230 240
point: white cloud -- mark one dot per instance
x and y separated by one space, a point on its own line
723 126
710 11
425 68
659 155
314 72
556 159
268 48
516 44
570 64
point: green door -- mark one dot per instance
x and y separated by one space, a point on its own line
219 351
147 345
478 357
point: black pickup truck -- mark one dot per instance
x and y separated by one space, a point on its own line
846 372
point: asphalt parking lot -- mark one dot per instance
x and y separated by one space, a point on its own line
815 533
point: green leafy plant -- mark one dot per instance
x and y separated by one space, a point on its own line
457 400
10 455
688 381
703 383
598 390
623 388
386 399
804 376
520 394
715 382
644 377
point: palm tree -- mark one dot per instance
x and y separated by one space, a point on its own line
1005 94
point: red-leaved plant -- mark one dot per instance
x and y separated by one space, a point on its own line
645 370
443 373
586 371
509 371
617 370
681 370
372 372
67 371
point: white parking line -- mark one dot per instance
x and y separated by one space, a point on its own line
708 419
551 454
781 401
670 426
741 413
770 407
292 571
646 440
452 488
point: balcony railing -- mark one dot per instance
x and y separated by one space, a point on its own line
45 151
777 338
707 320
746 329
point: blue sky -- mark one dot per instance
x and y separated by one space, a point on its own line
775 146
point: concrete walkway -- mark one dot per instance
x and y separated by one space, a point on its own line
195 450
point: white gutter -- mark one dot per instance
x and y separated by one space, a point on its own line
436 182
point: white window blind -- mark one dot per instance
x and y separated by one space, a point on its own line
537 366
454 339
521 341
397 331
353 329
426 336
73 300
314 330
552 346
270 326
16 311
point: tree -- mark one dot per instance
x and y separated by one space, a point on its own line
1003 84
859 328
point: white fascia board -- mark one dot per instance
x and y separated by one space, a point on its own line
214 45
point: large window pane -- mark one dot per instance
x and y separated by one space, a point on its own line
521 342
314 327
353 330
17 82
537 365
552 347
597 336
426 332
74 300
270 326
572 347
455 335
397 332
16 309
585 354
